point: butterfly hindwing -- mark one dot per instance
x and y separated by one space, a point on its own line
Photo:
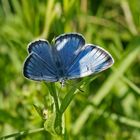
35 68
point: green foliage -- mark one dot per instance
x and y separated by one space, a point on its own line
109 106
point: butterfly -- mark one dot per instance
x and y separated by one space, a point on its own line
69 57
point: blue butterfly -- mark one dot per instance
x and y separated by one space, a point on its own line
68 58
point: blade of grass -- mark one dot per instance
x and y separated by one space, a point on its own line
17 7
131 84
50 16
6 7
27 11
115 117
82 119
128 17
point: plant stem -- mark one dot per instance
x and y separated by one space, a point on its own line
58 116
22 133
55 96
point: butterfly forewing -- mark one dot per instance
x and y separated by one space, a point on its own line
68 46
91 59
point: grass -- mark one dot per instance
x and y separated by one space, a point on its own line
109 106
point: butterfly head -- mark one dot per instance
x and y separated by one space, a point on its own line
62 81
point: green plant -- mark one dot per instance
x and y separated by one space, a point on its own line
109 106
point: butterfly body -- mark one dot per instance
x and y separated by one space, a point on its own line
68 58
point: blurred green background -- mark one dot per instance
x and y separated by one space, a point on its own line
109 109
